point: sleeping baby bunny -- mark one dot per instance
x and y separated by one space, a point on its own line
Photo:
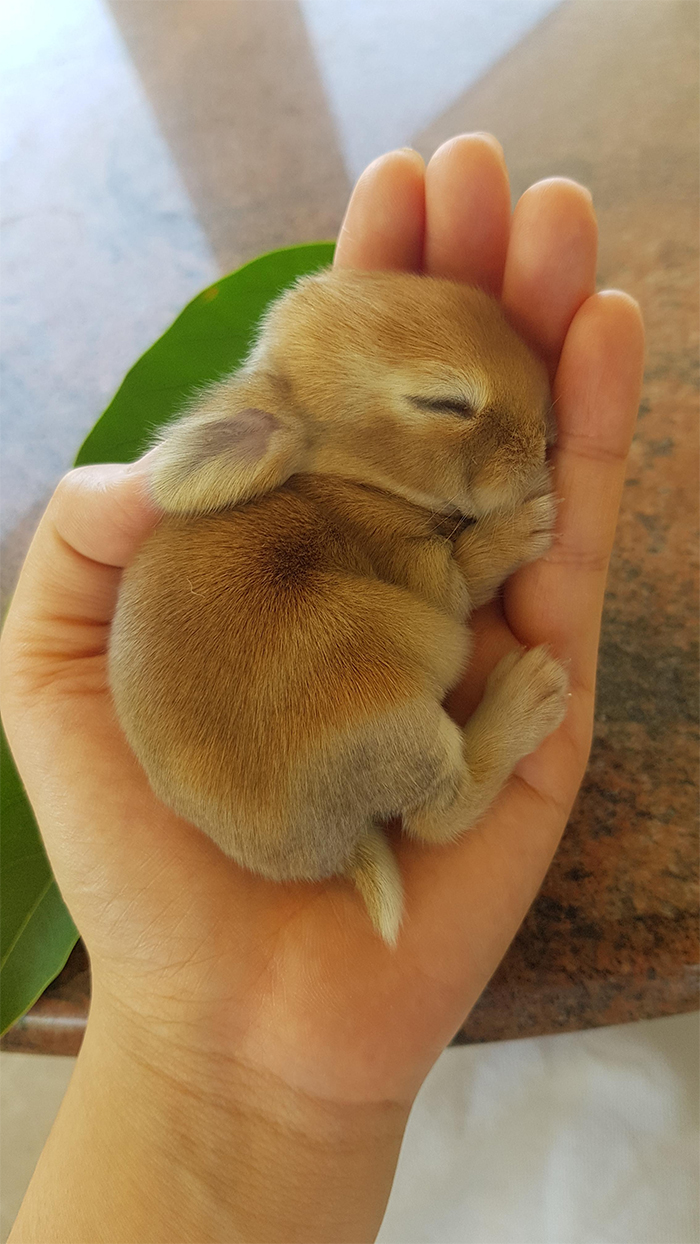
334 512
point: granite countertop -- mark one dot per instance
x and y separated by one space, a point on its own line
610 98
613 935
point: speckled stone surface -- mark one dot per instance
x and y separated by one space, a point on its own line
613 935
606 93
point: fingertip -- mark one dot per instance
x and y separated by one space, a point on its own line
385 219
485 136
469 138
615 319
622 304
144 462
562 185
141 471
551 263
603 356
407 153
105 510
467 211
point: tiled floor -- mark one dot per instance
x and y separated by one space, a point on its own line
151 146
391 67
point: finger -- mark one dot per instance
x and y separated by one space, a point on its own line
551 262
92 527
559 598
467 204
474 894
466 901
105 511
384 224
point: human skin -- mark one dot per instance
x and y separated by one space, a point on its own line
253 1049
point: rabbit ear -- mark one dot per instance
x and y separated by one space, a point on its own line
216 457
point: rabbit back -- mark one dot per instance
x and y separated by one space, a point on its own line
280 694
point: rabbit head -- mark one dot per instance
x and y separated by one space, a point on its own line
413 384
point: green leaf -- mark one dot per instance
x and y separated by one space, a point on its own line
208 339
36 931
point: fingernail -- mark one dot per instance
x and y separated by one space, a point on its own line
490 139
142 471
143 464
565 181
411 151
379 161
483 135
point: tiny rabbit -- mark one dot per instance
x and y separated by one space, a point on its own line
334 512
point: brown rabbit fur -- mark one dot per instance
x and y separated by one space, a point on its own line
284 640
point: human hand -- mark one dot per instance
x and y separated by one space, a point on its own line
208 970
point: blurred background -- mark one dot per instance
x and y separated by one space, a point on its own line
151 145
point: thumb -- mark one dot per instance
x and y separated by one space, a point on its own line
67 591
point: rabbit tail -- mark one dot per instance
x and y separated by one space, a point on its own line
375 872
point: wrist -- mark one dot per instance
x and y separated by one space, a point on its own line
178 1144
261 1160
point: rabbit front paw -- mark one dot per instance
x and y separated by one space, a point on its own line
533 528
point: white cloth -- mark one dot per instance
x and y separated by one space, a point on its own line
582 1138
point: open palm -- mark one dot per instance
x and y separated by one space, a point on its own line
291 979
